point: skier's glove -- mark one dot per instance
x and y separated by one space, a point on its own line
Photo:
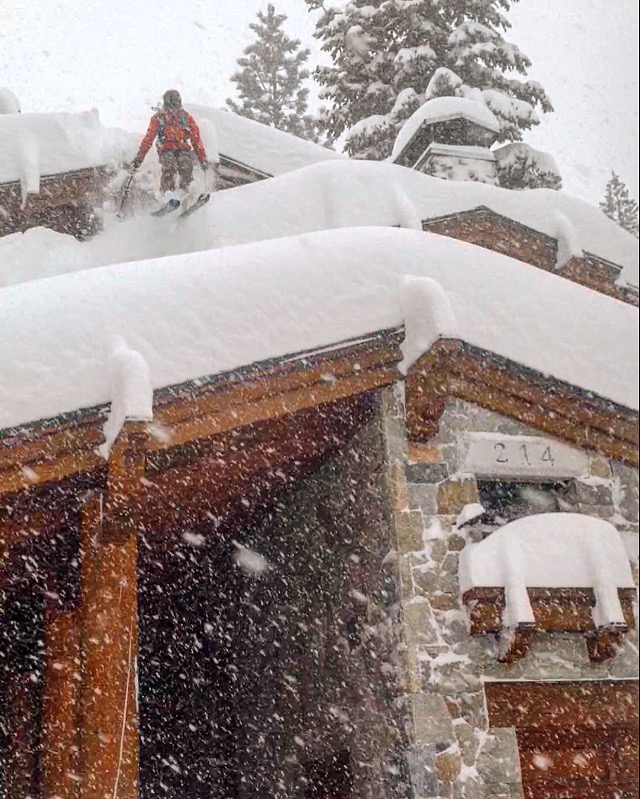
205 166
135 164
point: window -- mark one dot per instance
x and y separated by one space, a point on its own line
505 502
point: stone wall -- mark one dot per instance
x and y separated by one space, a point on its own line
453 752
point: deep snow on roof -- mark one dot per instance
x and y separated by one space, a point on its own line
36 145
441 109
208 312
335 194
261 147
349 192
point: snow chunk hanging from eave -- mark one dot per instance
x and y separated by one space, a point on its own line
9 103
551 550
131 391
428 316
568 240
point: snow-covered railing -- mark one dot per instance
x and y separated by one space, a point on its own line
550 572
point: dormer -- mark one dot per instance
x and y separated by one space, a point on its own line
449 137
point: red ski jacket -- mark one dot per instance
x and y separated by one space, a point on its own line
175 130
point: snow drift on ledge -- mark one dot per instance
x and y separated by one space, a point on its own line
194 315
550 550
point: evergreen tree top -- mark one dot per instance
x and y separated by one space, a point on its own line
270 79
619 205
390 56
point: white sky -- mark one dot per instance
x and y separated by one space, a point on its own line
120 55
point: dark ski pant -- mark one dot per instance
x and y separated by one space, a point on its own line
176 163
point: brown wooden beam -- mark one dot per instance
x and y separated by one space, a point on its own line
523 384
603 644
109 729
381 353
18 478
51 442
109 719
555 610
60 749
197 423
20 721
597 704
455 369
518 643
266 453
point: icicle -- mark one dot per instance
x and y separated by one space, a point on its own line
607 610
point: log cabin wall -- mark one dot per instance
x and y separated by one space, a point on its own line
65 203
454 750
491 230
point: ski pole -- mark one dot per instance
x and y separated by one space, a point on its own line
125 194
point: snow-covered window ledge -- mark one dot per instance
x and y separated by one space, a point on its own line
553 573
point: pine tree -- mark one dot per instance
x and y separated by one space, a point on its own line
617 205
269 82
390 56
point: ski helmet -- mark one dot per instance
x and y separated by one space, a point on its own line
172 99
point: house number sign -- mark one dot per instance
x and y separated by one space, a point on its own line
521 457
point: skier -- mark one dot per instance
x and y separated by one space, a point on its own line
177 136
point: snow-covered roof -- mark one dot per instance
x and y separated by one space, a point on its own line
348 193
334 194
261 147
550 550
35 145
507 155
441 109
208 312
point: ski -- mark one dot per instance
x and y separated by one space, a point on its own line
167 208
203 199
